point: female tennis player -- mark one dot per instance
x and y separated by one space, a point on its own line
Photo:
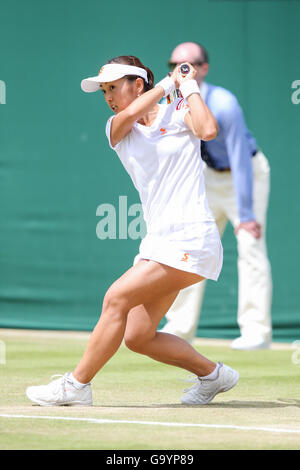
159 146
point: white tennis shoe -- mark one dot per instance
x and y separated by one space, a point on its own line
205 390
248 343
60 392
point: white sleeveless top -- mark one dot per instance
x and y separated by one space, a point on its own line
165 165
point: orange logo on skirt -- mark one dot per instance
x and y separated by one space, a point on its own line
186 257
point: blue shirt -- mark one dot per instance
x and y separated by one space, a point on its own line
234 145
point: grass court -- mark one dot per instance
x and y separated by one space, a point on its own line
137 401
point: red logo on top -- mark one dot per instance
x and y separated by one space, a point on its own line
181 105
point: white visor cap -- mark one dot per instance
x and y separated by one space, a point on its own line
109 73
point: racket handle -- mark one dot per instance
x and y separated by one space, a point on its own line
184 69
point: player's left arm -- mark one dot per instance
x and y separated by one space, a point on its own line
199 118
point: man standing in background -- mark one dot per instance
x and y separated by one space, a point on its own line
237 179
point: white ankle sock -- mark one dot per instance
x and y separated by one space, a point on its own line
75 382
214 374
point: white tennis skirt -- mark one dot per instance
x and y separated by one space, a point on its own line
195 248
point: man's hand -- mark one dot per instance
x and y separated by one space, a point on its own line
252 227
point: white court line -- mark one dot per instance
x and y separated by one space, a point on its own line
156 423
84 335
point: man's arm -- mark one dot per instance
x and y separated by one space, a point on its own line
240 159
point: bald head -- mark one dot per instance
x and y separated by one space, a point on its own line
194 53
189 52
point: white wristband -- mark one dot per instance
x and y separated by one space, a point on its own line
188 87
167 84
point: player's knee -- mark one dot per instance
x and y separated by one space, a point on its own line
115 303
137 341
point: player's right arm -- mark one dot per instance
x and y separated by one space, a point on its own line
123 122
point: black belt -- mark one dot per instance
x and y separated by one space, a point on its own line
228 168
207 158
222 170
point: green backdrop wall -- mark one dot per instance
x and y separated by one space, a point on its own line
56 167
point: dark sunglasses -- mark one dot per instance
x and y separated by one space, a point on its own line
172 65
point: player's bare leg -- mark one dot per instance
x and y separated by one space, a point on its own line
138 300
141 336
141 284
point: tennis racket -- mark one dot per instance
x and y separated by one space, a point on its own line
184 70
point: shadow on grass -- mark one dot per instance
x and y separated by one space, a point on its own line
280 403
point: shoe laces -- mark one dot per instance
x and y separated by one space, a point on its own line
192 379
200 384
59 385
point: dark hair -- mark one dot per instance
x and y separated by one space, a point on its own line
203 53
132 60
